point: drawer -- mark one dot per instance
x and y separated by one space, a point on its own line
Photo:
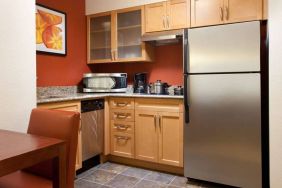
159 105
122 127
122 115
122 103
122 145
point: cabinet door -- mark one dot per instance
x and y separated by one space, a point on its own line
171 138
129 31
74 107
155 16
265 10
146 136
178 14
242 10
99 39
122 144
206 12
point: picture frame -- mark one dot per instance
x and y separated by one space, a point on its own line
51 31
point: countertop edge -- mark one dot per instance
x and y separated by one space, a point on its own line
99 96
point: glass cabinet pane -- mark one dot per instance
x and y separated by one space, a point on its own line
129 34
100 38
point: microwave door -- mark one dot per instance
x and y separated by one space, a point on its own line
105 83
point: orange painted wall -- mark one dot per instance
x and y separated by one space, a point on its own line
68 70
168 66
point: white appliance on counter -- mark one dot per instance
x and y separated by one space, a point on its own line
223 104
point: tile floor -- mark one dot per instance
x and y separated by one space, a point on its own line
111 175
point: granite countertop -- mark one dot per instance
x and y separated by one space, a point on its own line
85 96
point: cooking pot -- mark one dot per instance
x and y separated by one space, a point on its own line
158 87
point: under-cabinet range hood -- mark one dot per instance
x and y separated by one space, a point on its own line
163 37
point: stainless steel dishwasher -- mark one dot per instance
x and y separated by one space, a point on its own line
92 123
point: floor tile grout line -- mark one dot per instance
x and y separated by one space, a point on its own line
174 176
172 180
88 173
104 183
118 173
92 181
105 170
149 172
110 178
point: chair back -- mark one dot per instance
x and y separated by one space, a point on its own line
58 124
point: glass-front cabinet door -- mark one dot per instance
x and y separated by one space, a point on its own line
99 39
116 37
129 32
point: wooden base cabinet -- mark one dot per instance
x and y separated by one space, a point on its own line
147 130
146 136
74 107
159 131
171 138
122 127
122 145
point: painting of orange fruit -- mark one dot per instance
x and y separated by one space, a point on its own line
50 30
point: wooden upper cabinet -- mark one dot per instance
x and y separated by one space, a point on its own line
173 14
178 14
155 17
100 38
213 12
242 10
116 37
206 12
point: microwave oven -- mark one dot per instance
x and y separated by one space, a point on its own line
105 83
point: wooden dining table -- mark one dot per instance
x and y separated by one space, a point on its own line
19 151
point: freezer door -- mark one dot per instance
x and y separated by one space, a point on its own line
225 48
223 137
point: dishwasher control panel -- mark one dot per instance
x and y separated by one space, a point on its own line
92 105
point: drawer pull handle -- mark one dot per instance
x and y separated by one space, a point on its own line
122 116
122 138
221 13
122 104
227 13
121 127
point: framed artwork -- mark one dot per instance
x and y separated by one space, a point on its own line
50 31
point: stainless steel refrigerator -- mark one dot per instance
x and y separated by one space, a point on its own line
222 79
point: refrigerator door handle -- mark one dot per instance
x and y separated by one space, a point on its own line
186 102
185 51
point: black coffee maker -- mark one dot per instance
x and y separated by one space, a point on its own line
140 82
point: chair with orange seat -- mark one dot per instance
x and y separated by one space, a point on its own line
48 123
